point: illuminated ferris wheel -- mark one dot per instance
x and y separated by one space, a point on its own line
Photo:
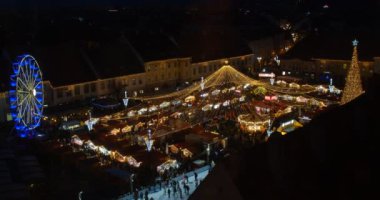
26 94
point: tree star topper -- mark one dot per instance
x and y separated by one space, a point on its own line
355 43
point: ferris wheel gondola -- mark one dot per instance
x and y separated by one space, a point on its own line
26 95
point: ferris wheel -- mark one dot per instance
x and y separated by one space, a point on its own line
26 94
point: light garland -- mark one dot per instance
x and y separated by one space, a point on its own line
353 87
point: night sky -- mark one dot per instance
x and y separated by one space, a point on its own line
79 3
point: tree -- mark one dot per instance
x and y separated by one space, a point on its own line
353 87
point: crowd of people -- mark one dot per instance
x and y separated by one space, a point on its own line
173 188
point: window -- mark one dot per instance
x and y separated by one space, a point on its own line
86 88
77 90
69 93
103 85
199 70
134 82
93 87
111 84
140 82
60 93
194 71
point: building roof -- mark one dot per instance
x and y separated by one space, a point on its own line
153 45
335 45
204 43
77 61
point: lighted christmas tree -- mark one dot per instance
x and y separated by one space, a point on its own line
353 87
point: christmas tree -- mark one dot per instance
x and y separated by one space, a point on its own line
353 87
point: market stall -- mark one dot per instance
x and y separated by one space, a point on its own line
167 165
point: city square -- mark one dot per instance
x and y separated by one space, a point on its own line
188 100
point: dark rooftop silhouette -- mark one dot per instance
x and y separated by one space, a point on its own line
335 45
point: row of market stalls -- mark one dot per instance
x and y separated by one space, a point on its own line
162 162
189 100
295 99
320 88
302 100
114 155
225 103
250 126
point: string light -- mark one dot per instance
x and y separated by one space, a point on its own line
353 87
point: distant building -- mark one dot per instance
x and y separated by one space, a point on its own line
316 68
322 56
157 73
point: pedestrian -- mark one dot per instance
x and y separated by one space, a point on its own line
187 179
188 189
146 195
136 195
141 195
196 176
180 192
174 191
169 193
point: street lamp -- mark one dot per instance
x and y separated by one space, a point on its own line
259 60
90 122
126 99
80 195
208 149
277 60
149 141
131 181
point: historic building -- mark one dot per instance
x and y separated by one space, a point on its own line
157 74
317 68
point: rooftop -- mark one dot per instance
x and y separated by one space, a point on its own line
335 45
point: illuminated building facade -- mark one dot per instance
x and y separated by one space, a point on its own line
157 74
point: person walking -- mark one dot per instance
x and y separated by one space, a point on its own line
180 192
196 176
169 193
186 189
136 195
174 191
